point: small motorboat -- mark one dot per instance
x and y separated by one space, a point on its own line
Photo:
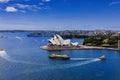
102 57
1 49
58 56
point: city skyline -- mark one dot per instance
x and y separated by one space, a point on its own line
59 14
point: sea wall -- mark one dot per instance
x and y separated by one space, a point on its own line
82 47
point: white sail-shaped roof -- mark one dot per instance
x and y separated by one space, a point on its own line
52 41
66 42
61 40
56 40
75 43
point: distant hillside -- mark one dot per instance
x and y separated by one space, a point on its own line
71 33
65 33
103 41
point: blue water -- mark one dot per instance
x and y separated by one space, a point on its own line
24 60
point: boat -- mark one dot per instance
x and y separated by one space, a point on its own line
1 49
58 56
102 57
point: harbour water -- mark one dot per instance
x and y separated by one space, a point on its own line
24 60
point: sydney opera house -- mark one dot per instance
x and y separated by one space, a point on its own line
57 40
58 43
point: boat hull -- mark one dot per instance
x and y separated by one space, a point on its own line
55 56
102 57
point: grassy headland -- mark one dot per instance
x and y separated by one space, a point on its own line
102 41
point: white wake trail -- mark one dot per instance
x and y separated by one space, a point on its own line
4 55
18 38
80 63
72 65
81 58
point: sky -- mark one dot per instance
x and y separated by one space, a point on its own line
59 14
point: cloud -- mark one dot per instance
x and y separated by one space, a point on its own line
4 1
46 0
11 9
114 3
28 7
24 7
18 7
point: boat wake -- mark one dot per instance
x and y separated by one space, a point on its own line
66 66
80 63
18 38
81 58
4 55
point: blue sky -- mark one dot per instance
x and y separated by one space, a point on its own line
59 14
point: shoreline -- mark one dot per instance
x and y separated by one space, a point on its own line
80 47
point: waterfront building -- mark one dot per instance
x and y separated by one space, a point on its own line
57 40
